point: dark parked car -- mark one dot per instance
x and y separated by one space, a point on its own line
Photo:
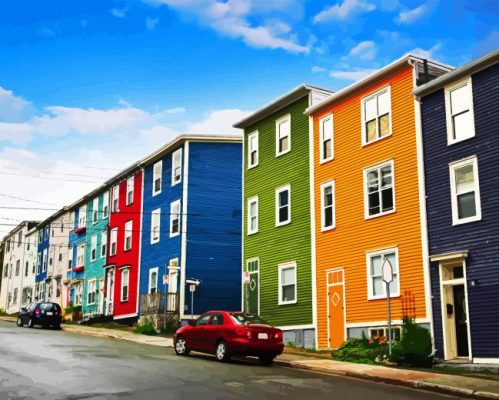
40 313
225 333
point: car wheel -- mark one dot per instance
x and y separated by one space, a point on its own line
31 324
266 360
19 321
221 352
181 347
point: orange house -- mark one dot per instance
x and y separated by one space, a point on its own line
368 191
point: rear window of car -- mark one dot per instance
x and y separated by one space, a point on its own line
49 306
246 319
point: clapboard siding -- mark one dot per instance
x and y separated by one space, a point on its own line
43 245
480 238
275 245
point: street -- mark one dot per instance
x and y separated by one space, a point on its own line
46 364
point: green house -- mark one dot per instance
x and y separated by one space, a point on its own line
277 238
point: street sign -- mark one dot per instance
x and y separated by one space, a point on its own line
196 282
387 274
387 271
165 279
246 277
192 288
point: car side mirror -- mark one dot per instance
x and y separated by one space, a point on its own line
191 322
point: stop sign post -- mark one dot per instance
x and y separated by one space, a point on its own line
387 274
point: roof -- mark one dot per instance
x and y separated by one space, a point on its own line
378 75
28 224
282 101
474 66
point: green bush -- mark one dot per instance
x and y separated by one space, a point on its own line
362 351
72 309
146 328
415 347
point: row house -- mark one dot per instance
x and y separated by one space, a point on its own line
43 246
191 226
277 235
461 140
368 204
17 269
30 260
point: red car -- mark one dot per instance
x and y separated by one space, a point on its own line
226 333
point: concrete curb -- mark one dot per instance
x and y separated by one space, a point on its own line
429 386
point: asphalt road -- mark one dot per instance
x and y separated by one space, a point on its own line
46 364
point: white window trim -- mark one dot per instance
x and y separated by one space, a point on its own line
172 205
321 139
92 248
250 136
366 197
173 166
277 122
95 208
331 183
248 208
156 192
111 253
369 254
385 329
156 212
448 116
280 267
278 191
130 188
115 196
105 202
452 167
128 233
363 112
103 242
156 269
128 284
94 280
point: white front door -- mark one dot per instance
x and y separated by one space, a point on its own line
109 292
172 289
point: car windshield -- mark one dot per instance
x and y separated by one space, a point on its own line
246 319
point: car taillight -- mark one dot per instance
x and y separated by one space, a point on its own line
249 335
278 336
243 332
37 312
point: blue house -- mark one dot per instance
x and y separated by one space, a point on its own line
192 226
42 260
460 143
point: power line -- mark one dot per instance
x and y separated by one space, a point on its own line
22 199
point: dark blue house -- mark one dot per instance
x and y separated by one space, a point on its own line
42 261
192 226
460 126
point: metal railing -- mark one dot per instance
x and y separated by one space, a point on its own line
155 303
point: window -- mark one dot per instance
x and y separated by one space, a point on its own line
155 225
326 142
105 205
283 205
130 182
253 149
379 196
44 265
82 221
116 199
46 232
217 319
70 257
175 218
61 222
28 244
18 267
103 244
93 248
376 285
283 135
125 278
19 238
465 191
328 214
91 290
50 261
80 255
114 240
252 215
203 320
376 116
78 294
153 280
176 167
39 264
459 111
26 269
383 331
60 255
14 300
128 235
6 270
52 230
95 210
156 177
287 283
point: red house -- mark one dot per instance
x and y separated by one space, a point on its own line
124 234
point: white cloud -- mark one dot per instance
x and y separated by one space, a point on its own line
353 75
342 11
365 50
11 106
218 122
175 110
408 17
151 23
317 69
231 18
119 12
430 53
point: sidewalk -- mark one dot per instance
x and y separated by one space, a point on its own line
451 384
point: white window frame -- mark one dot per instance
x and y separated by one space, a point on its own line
381 252
366 190
127 270
174 167
156 214
156 269
91 282
448 110
80 255
324 119
325 185
250 149
115 198
113 241
93 248
156 176
105 204
452 174
363 101
277 123
103 244
173 205
278 191
95 211
130 186
44 262
280 267
128 235
251 200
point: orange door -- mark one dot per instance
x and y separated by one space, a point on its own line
336 307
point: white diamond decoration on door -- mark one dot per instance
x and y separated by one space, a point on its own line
335 299
252 285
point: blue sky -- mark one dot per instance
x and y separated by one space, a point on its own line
87 87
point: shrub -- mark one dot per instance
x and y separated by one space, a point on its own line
415 346
361 350
146 328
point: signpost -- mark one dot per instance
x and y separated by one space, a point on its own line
387 273
192 288
246 281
